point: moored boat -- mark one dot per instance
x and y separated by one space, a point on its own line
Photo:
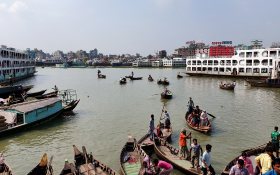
34 94
69 107
17 90
252 152
203 127
130 159
167 152
43 168
150 78
179 76
47 95
86 164
166 94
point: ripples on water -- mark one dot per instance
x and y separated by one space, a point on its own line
108 112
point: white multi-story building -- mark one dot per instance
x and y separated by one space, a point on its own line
167 62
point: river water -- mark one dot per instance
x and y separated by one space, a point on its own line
108 112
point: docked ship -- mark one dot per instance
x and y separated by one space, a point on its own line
221 60
15 65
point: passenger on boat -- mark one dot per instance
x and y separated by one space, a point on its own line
195 118
67 168
190 106
147 170
167 122
276 168
206 161
204 121
132 74
147 159
264 160
159 132
247 163
275 136
197 151
163 168
239 168
98 72
55 88
152 127
184 151
150 77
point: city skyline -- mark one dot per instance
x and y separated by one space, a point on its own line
130 27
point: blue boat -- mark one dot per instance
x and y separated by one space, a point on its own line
27 114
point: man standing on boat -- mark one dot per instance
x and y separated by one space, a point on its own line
206 161
183 144
264 160
152 127
190 105
275 136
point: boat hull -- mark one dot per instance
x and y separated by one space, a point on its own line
202 129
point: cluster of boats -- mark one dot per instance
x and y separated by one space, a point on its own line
22 110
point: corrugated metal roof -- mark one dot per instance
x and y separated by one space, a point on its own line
27 107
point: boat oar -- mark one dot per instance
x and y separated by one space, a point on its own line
211 115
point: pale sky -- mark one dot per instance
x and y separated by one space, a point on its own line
135 26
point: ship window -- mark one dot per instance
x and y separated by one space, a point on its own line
272 54
19 119
222 69
216 62
256 62
209 68
241 54
204 69
204 62
256 70
189 63
248 70
278 53
198 62
188 69
216 69
199 69
193 62
249 54
270 62
256 54
265 62
265 54
241 70
193 68
234 62
222 62
264 70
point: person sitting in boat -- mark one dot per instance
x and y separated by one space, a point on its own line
159 132
195 118
55 88
132 74
148 170
247 163
166 91
150 77
233 83
98 72
165 79
164 168
204 119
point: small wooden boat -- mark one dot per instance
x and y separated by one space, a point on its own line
69 107
133 78
47 95
34 94
68 169
123 81
227 86
101 76
203 129
5 169
150 78
43 168
166 94
86 164
249 153
163 82
130 159
179 76
167 152
17 90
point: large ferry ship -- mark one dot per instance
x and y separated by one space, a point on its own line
242 63
15 65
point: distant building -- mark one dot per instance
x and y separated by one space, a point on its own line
162 54
93 53
167 62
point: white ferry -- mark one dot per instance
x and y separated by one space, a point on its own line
244 63
15 65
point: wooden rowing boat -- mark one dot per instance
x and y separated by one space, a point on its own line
71 106
86 164
163 82
101 76
130 159
150 78
249 153
166 94
133 78
47 95
227 86
34 94
44 167
202 129
170 154
179 76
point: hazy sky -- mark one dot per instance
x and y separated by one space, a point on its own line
135 26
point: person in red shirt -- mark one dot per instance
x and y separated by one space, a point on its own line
163 167
183 144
